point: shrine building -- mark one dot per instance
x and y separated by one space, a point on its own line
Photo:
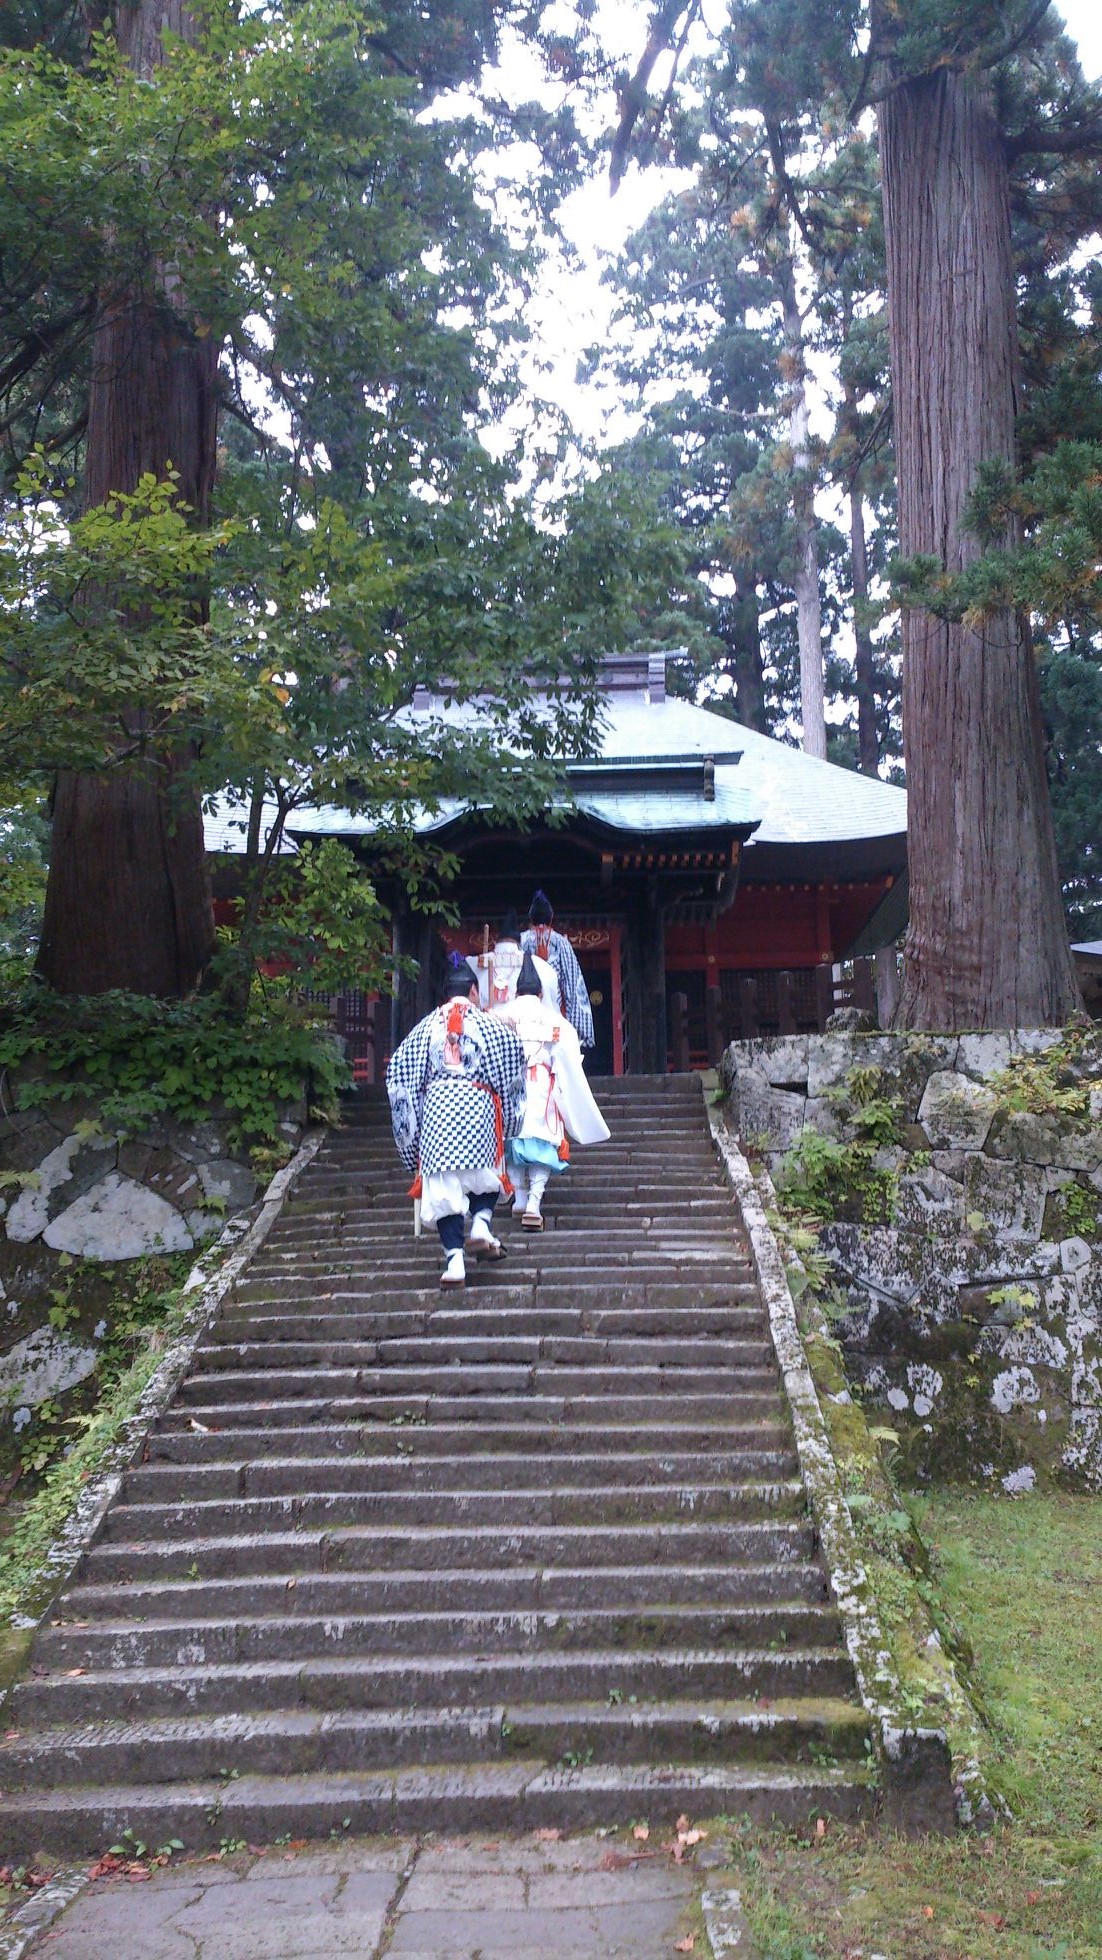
712 880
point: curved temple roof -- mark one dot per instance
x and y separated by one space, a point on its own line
666 764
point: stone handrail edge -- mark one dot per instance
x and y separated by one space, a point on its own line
924 1783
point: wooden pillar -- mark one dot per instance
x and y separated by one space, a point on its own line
616 992
824 994
713 1021
647 967
713 1000
413 994
679 1032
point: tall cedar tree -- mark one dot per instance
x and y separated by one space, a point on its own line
128 902
987 945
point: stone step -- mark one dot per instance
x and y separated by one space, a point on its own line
734 1405
458 1380
742 1318
429 1680
208 1642
551 1505
402 1287
305 1742
525 1589
447 1350
749 1443
360 1548
595 1204
404 1471
473 1797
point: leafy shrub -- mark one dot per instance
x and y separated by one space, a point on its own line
138 1059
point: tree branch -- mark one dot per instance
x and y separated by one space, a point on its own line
1058 139
632 98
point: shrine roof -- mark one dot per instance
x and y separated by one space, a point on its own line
665 764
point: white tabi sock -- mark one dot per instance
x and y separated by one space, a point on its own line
536 1189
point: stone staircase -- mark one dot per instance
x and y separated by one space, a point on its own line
537 1554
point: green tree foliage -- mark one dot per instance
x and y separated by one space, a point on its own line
302 183
771 256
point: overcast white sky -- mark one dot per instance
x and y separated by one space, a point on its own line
572 313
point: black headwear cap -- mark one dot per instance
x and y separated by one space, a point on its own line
528 980
510 926
459 978
541 911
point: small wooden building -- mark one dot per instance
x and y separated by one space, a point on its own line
710 879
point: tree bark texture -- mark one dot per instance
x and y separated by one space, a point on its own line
809 622
741 628
864 663
128 902
987 945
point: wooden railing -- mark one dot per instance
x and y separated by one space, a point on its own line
752 1005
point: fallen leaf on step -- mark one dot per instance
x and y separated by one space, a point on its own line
200 1427
72 1672
621 1861
686 1945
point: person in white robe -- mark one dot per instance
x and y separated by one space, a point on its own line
499 971
545 943
456 1085
558 1101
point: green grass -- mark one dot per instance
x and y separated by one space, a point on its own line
1024 1578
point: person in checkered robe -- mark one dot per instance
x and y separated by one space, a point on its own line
559 953
456 1085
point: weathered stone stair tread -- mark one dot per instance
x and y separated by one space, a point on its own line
735 1405
470 1378
678 1323
386 1680
184 1445
448 1349
275 1474
215 1643
568 1504
402 1558
526 1588
493 1795
173 1749
353 1547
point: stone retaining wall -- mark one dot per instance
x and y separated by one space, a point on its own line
972 1306
71 1190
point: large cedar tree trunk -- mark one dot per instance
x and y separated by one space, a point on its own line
128 901
987 945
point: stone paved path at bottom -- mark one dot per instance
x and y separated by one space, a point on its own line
589 1898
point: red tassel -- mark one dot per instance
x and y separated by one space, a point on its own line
564 1151
415 1188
